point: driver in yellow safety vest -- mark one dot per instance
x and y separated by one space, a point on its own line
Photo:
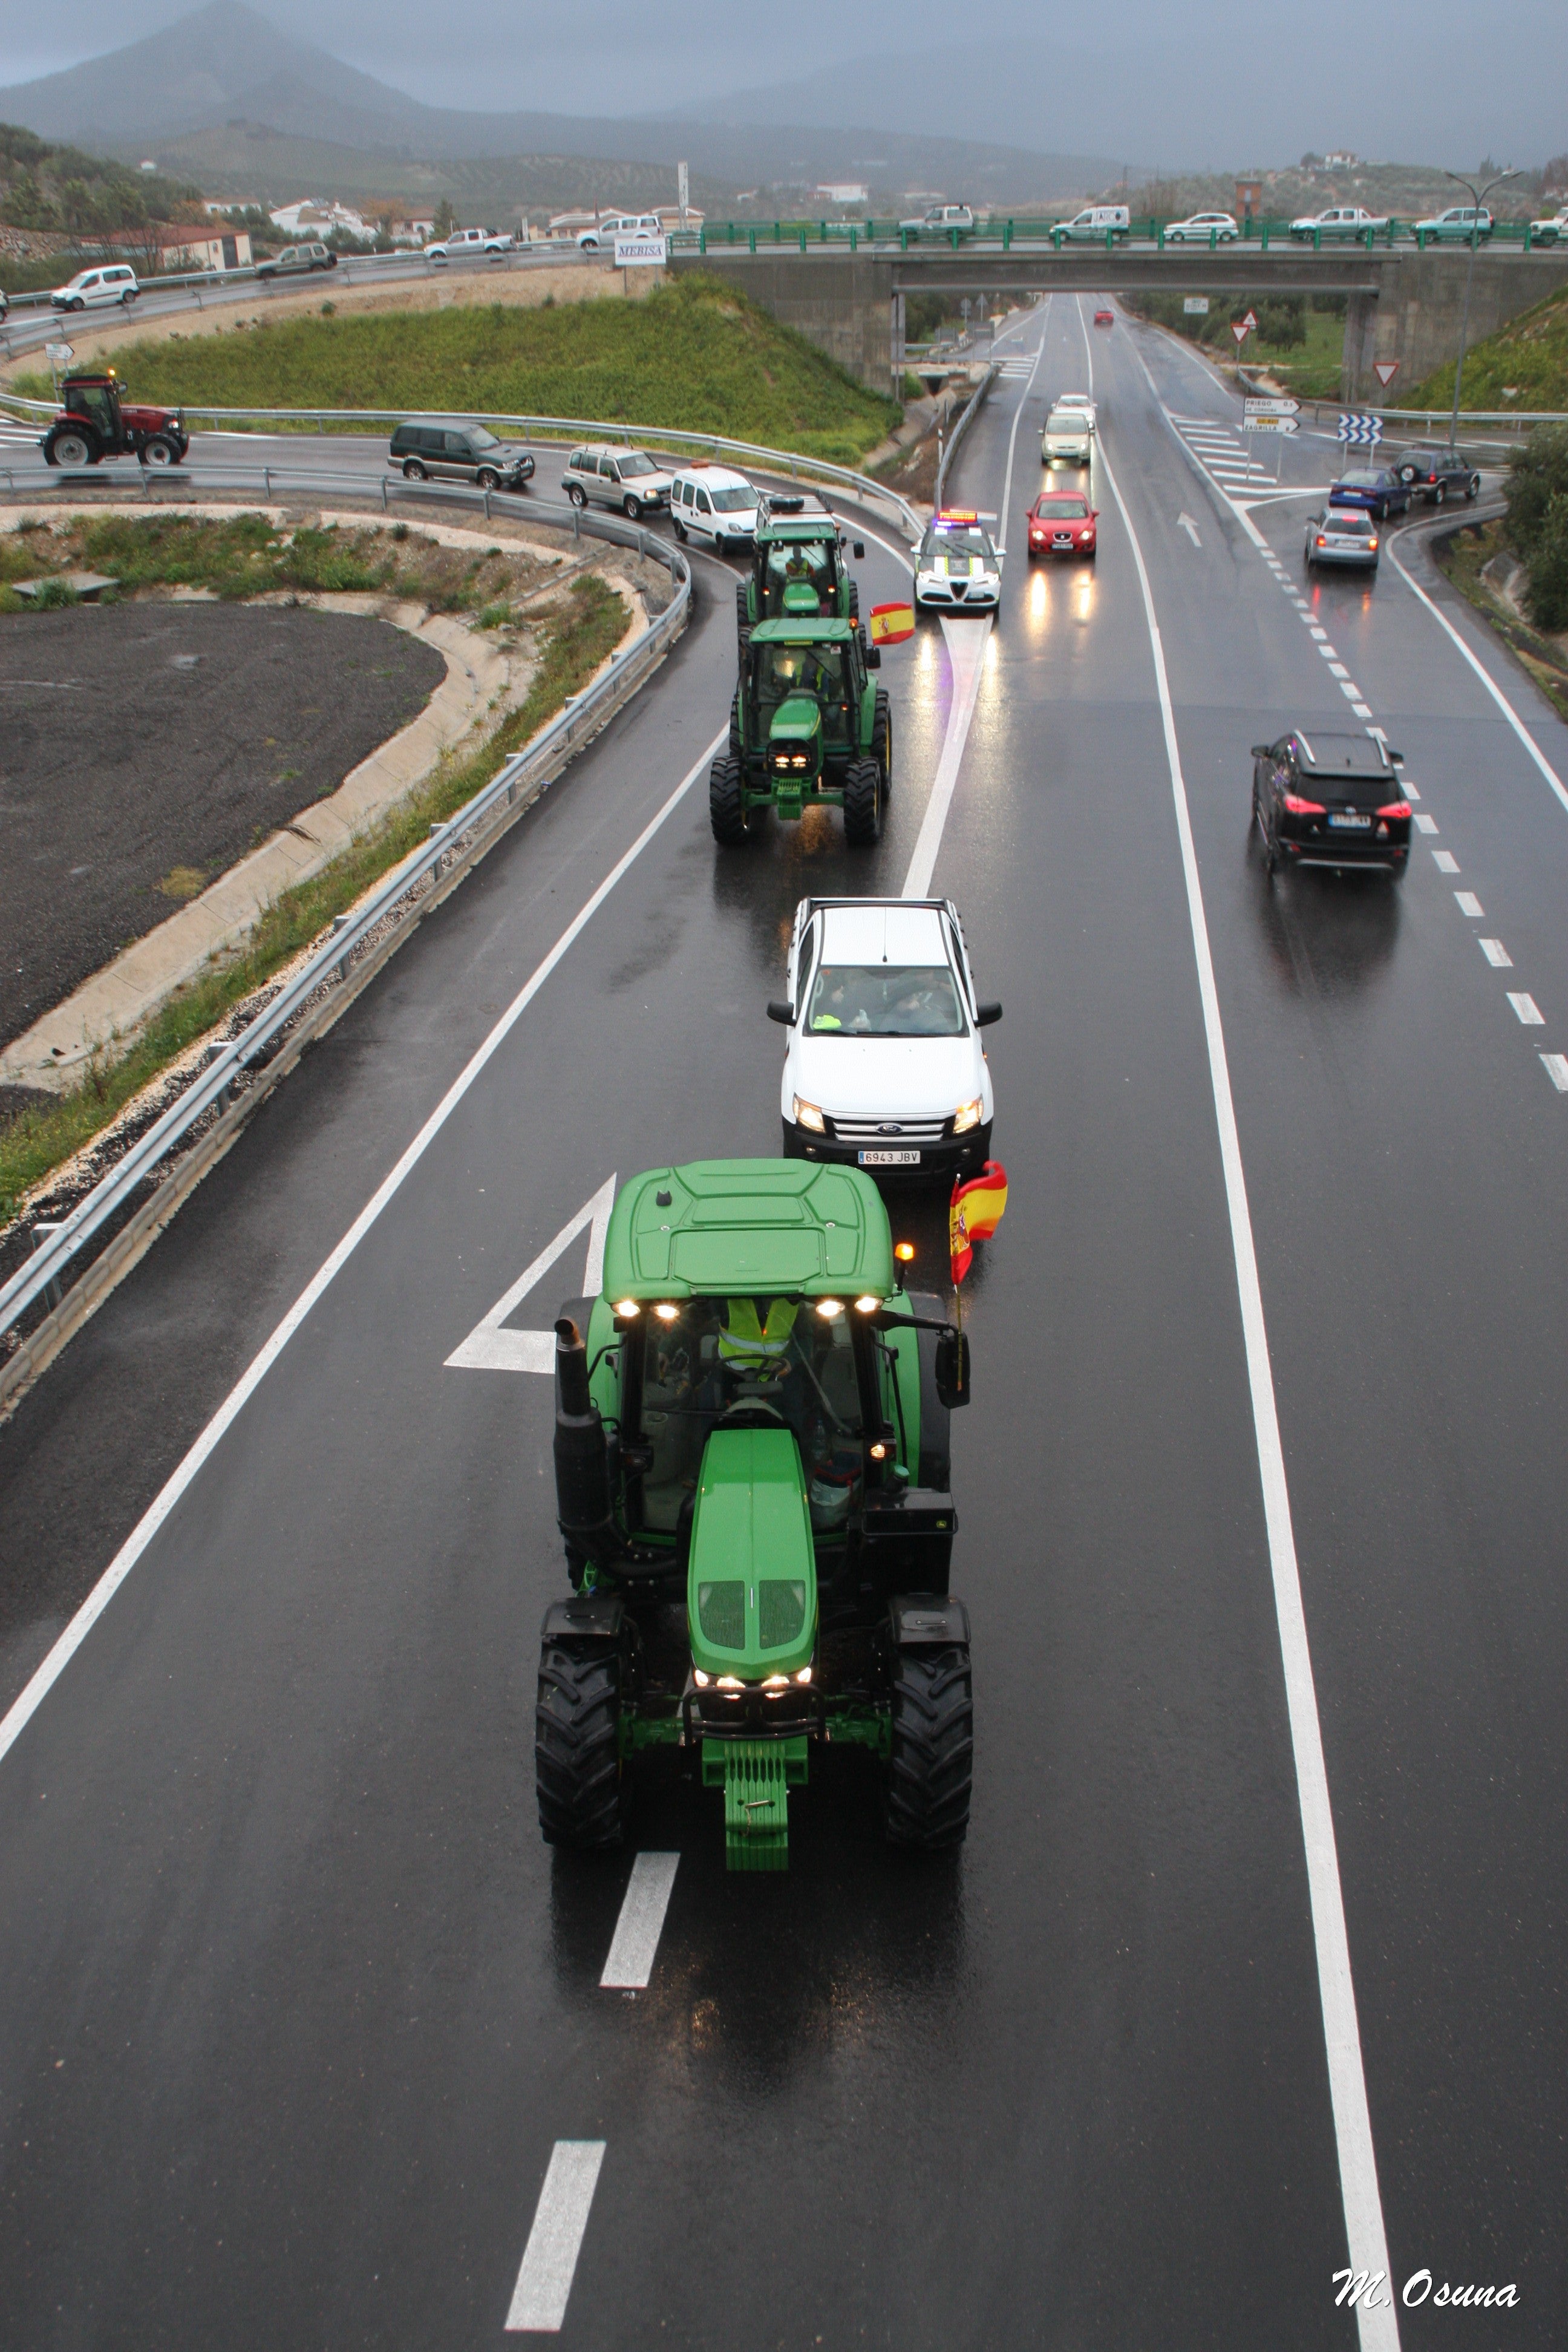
758 1347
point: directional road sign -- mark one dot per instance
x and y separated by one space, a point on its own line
1360 431
1260 405
1270 425
58 355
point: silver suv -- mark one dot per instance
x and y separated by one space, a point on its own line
628 479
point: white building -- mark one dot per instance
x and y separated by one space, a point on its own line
846 191
309 217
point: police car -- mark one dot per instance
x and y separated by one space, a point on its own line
957 568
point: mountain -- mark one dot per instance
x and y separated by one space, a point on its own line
225 65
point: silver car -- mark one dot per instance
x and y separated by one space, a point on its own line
1343 535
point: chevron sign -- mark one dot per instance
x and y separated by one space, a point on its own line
1360 431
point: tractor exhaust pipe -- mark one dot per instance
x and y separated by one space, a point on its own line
583 1500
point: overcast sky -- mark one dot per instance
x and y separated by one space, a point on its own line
1233 82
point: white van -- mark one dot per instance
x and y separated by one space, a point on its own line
89 289
711 503
1098 221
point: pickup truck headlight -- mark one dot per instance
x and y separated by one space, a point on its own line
966 1115
807 1115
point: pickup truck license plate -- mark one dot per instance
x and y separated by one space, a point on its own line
889 1160
1350 823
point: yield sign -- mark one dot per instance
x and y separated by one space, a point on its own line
489 1348
1241 329
1385 370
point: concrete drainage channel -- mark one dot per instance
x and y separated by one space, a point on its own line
76 1263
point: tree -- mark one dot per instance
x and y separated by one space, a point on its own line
446 218
1537 497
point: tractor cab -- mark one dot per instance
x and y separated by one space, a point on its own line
797 567
95 398
97 422
807 728
751 1473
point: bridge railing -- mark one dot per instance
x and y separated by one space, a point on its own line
1264 233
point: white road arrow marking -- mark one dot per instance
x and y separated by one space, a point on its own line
490 1349
1184 523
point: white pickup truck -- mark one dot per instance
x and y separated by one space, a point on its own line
1340 220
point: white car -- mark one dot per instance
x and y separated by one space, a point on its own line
714 503
942 221
1460 222
628 479
1202 228
1340 220
613 225
470 242
958 569
1077 403
1099 222
1068 436
93 289
1552 231
884 1068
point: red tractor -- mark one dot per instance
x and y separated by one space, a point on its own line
95 423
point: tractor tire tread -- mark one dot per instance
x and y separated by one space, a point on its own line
930 1768
863 804
576 1751
726 806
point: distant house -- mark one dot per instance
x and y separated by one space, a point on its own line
171 247
309 217
844 192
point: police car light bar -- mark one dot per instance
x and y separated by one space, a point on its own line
958 514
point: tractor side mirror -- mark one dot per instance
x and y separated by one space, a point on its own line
953 1368
781 1010
987 1012
859 551
873 656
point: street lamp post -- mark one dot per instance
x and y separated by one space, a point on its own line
1476 199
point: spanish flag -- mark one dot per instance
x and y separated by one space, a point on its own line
891 624
974 1213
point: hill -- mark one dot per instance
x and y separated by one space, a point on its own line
227 62
693 354
1524 366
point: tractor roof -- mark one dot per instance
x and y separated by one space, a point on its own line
800 631
807 528
738 1226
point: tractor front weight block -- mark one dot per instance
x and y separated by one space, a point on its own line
757 1776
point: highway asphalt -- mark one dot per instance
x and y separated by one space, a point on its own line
295 2004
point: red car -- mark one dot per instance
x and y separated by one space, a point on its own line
1105 317
1061 524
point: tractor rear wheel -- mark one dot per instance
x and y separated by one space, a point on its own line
930 1766
726 802
742 615
863 804
576 1749
71 448
883 740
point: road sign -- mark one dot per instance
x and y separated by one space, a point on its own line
1385 370
1250 321
1270 425
58 355
1196 306
1260 405
1241 329
641 252
1360 432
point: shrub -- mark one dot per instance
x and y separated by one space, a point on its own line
1537 497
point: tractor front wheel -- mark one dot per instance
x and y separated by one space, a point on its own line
577 1749
883 740
160 451
930 1764
726 803
863 804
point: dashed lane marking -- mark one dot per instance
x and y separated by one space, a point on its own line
1528 1012
641 1923
1467 900
544 2286
1557 1070
1424 824
1496 954
1445 861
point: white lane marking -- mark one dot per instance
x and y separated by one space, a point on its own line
1013 437
1351 693
549 2259
1445 861
489 1348
1496 954
1407 788
26 1705
1362 710
1528 1012
1321 634
1468 903
641 1923
1424 824
1341 2034
966 642
1557 1070
1184 523
1492 688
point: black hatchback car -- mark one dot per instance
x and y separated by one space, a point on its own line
1436 475
1377 488
1321 799
450 449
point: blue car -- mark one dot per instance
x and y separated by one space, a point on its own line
1377 488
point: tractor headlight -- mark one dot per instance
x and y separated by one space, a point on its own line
699 1678
807 1115
966 1115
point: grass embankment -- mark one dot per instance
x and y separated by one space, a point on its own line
1298 340
573 642
695 355
1464 558
1524 366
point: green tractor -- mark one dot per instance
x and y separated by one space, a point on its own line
751 1473
797 550
807 730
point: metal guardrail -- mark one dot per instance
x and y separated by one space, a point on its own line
788 461
1146 229
535 254
971 411
52 1261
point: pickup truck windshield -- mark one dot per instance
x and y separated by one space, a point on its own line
878 1000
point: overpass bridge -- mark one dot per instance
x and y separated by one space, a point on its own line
1403 304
